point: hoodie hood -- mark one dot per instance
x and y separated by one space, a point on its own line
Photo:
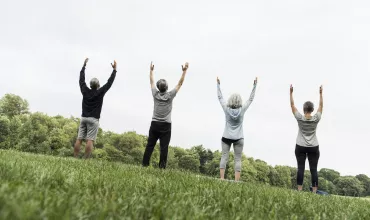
235 112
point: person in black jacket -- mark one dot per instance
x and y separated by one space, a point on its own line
92 103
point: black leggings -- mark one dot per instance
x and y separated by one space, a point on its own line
313 154
161 131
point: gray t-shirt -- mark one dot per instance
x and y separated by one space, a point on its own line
307 130
162 105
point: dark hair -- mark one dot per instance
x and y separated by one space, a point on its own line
308 107
162 85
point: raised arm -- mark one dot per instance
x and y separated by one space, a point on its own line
107 86
219 94
294 109
321 101
151 75
251 97
83 85
181 81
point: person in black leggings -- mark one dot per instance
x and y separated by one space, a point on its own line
307 143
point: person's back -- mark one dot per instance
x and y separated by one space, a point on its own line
307 129
162 105
234 123
92 102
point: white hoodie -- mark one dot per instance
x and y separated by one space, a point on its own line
234 117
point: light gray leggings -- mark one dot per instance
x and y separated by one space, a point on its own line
238 149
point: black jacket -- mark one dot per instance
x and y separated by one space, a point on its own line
92 101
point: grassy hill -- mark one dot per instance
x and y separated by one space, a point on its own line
46 187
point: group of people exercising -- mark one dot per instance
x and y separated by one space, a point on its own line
307 144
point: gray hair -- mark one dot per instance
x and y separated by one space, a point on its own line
162 85
308 107
94 83
235 101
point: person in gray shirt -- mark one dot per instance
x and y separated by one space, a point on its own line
307 144
160 127
233 133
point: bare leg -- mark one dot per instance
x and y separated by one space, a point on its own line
314 189
222 173
300 187
77 148
237 176
89 148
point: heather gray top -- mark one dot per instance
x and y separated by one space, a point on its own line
307 130
162 105
234 117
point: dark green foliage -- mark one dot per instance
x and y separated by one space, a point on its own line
329 174
349 186
189 162
4 132
365 182
12 105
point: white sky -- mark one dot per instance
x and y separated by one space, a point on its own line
307 43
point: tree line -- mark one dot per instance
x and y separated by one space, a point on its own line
55 135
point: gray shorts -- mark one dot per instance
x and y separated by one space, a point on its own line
89 128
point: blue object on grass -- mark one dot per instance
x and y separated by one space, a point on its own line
319 192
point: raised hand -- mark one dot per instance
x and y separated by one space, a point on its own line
114 66
151 66
218 80
86 60
321 90
291 89
255 81
184 68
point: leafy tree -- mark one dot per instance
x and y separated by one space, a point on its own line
15 126
179 152
34 134
58 139
172 161
329 174
113 154
327 186
189 162
262 171
100 154
4 132
283 179
212 168
127 141
349 186
249 172
204 156
293 177
307 181
365 181
12 105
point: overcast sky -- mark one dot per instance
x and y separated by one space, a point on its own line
307 43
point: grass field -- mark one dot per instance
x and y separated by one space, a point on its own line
45 187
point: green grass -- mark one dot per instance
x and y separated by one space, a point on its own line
46 187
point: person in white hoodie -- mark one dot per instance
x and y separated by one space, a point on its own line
233 133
